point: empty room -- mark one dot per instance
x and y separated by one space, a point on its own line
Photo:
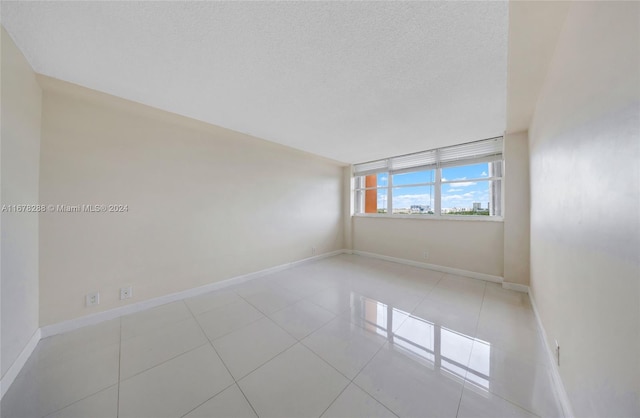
319 209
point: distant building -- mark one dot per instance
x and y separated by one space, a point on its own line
420 208
477 206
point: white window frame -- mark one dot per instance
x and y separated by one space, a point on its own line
363 191
391 187
489 179
438 165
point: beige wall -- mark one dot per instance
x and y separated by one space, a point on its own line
347 207
585 207
534 27
516 208
20 148
205 203
475 246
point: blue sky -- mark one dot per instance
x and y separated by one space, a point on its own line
461 194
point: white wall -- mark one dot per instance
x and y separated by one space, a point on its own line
20 148
585 207
516 204
205 203
475 246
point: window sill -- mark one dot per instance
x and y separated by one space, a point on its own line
462 218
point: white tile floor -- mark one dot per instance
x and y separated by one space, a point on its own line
347 336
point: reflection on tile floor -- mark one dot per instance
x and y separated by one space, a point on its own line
346 336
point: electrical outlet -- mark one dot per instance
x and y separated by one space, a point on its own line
126 292
313 250
557 353
425 255
93 298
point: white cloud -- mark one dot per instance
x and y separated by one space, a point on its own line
454 190
464 184
405 201
484 174
464 200
461 184
452 197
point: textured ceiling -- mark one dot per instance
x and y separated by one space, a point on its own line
352 81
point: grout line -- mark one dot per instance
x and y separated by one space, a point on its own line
221 360
267 361
223 290
210 342
340 317
383 405
232 331
247 399
334 401
375 399
207 400
84 397
156 329
145 305
330 365
484 293
300 341
325 361
79 400
505 399
297 340
286 307
166 361
335 316
280 352
326 309
427 294
364 390
265 316
263 364
352 381
261 311
473 343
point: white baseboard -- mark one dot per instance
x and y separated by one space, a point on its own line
76 323
19 363
515 286
73 324
443 269
314 258
560 391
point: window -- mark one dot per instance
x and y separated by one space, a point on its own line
473 189
372 191
462 180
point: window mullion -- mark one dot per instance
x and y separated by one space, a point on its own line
492 178
440 159
437 201
438 187
389 197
